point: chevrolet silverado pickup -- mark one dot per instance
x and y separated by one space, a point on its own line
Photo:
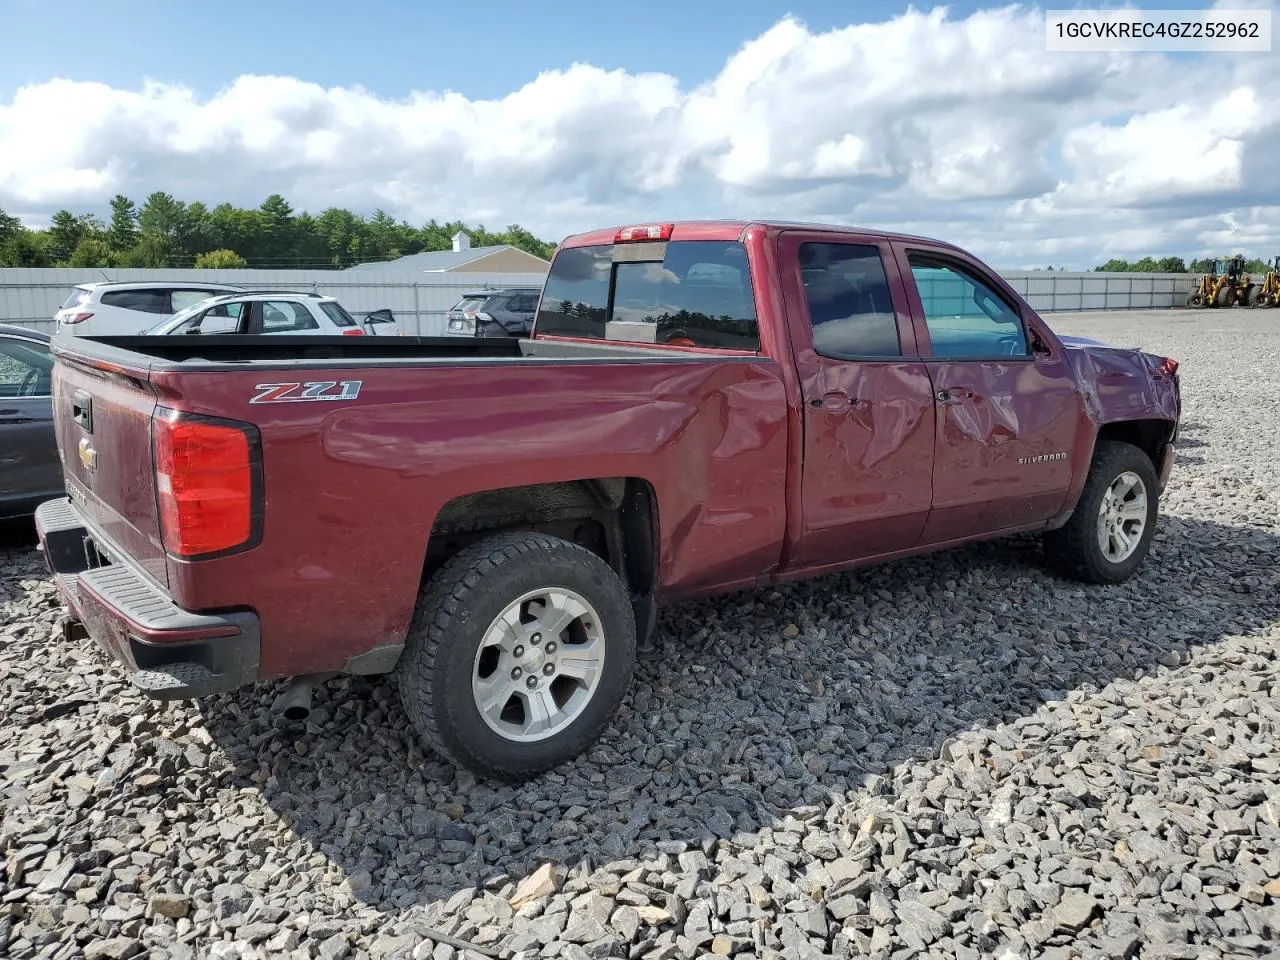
702 407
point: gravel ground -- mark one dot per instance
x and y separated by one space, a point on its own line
956 756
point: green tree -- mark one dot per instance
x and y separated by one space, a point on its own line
23 249
1172 265
1146 265
166 232
65 232
122 233
220 260
9 226
197 235
1255 266
162 217
277 230
235 229
152 250
520 238
1203 265
1114 266
92 252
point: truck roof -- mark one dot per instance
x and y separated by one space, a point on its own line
733 230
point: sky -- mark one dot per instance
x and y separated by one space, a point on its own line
949 121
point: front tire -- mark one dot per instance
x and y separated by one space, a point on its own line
1110 531
521 649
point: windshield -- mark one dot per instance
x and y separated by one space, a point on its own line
188 320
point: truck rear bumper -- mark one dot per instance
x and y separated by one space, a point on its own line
169 653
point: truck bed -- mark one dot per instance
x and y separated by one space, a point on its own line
195 352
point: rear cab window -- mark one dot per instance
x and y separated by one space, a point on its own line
694 293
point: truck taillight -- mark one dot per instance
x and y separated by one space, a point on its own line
76 317
208 484
648 231
1168 366
353 332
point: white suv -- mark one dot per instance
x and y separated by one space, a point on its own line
124 308
273 311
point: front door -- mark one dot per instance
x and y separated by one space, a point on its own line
1008 407
867 401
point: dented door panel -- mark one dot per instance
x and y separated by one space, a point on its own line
1005 444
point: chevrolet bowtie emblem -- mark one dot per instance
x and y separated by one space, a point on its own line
88 455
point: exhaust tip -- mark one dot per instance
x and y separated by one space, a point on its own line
294 703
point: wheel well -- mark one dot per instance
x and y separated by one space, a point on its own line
614 517
1149 436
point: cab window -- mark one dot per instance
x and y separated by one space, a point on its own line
965 317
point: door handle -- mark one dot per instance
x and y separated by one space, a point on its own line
953 395
836 402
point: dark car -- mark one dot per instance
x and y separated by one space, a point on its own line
29 468
493 313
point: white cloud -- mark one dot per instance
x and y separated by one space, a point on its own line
960 128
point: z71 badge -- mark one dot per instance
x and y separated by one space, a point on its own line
306 392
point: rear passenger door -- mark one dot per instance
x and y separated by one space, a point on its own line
1008 407
868 403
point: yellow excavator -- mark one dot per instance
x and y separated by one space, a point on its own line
1225 284
1269 292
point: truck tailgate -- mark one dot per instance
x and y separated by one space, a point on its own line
103 415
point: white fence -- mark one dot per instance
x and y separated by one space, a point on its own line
30 297
1049 290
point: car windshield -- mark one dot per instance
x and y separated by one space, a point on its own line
171 323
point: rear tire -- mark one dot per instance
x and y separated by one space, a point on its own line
479 678
1195 300
1110 531
1224 296
1251 297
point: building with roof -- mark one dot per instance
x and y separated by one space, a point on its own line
464 258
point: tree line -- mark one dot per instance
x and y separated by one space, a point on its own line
1173 265
166 232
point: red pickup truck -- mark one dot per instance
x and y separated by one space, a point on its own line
702 407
